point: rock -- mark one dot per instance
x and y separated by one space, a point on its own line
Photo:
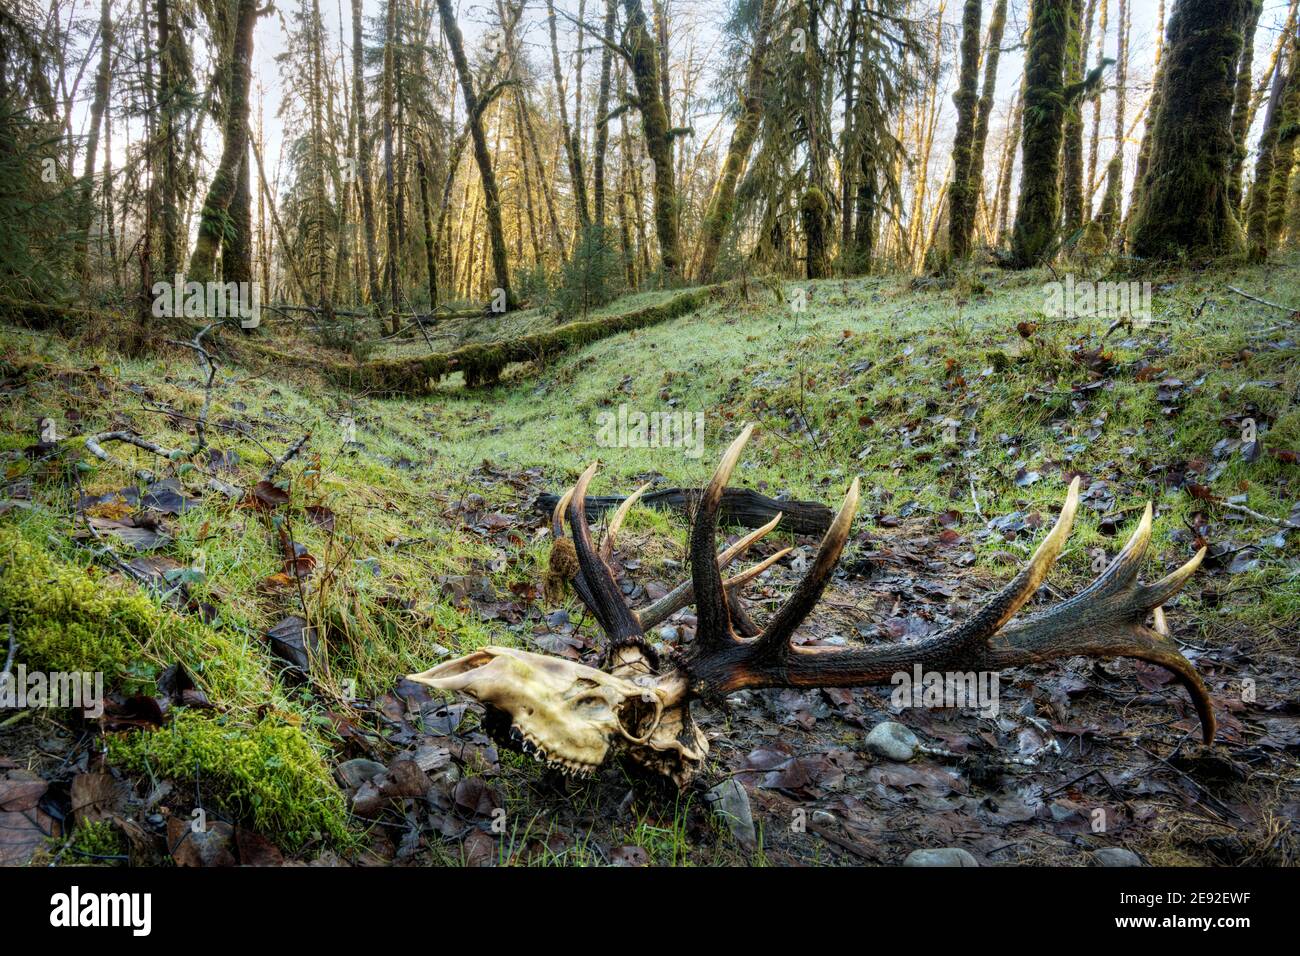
892 740
356 772
730 801
668 633
823 818
944 856
1115 856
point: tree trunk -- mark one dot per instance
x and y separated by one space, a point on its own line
474 120
1109 215
1284 151
390 199
602 114
1184 207
1241 105
961 191
1034 234
718 215
992 52
571 147
363 158
86 206
234 154
658 137
1072 155
167 109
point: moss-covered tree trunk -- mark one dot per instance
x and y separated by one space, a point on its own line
85 207
1284 150
237 241
1184 206
1072 198
1034 235
644 58
572 149
718 215
602 117
992 53
364 183
474 119
234 154
961 191
1241 104
1108 217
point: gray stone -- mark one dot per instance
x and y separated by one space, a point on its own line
1115 856
944 856
356 772
892 740
730 801
823 818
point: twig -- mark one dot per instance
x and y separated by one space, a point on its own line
974 498
196 344
1280 522
94 444
288 456
1273 305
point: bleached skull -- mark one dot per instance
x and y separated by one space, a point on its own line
564 713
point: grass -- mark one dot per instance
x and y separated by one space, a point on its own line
927 390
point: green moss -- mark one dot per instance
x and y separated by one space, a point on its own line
96 839
267 772
270 770
63 620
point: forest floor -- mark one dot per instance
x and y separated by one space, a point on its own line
254 641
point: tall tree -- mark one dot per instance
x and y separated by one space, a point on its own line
602 113
214 219
1183 208
717 216
962 201
1072 156
362 158
393 253
1034 234
572 147
86 208
643 57
483 159
992 53
1241 104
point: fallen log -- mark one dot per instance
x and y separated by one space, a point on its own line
740 506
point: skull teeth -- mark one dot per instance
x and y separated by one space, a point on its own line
529 745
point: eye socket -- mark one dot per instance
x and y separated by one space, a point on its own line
592 705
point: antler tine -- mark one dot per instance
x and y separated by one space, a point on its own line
684 593
710 598
775 639
595 582
616 522
558 512
1004 605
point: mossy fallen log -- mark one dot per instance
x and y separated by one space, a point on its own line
483 363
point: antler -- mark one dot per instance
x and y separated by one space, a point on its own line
1106 619
596 584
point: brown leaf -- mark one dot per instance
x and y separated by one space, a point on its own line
210 846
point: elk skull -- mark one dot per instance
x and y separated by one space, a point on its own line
561 712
